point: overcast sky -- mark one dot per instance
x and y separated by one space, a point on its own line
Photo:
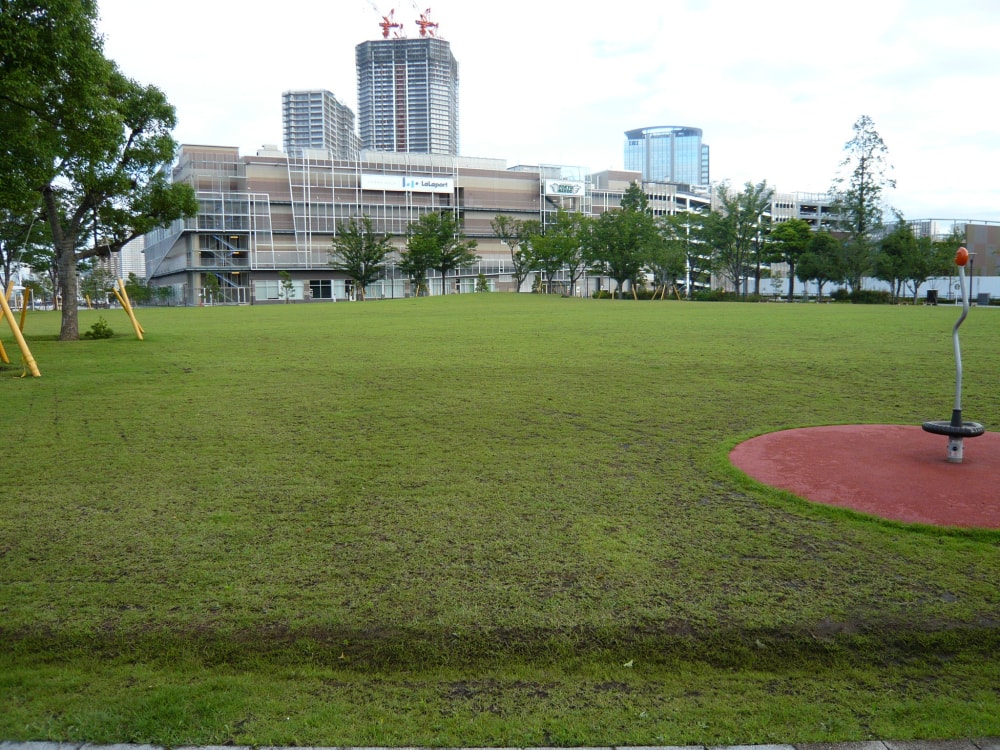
775 87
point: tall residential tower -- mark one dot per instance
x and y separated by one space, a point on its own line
316 120
408 95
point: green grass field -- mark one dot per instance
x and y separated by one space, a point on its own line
480 520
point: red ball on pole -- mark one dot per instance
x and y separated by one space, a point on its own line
961 257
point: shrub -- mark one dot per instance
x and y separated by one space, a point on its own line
100 330
870 297
712 295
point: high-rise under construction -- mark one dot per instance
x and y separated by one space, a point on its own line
408 95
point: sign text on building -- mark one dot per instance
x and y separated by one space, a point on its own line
406 183
563 187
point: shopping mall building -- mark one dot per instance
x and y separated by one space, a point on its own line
269 213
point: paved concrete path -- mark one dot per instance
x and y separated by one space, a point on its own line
987 743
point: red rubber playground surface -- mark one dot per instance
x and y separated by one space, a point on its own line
897 472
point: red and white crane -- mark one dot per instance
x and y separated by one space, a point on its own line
388 23
424 23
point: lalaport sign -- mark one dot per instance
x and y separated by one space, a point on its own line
407 184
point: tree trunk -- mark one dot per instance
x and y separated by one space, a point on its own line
791 282
68 287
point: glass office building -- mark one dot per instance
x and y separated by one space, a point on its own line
667 153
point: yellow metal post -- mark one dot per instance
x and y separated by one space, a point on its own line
3 352
29 361
126 304
128 301
25 301
135 323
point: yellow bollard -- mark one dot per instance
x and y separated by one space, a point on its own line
3 352
135 323
29 361
128 301
126 304
25 301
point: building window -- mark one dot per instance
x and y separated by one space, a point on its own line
321 288
267 290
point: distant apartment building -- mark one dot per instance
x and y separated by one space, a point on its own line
408 96
129 260
668 153
132 259
316 120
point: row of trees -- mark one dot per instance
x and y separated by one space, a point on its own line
82 168
621 244
899 258
433 242
735 240
738 241
856 245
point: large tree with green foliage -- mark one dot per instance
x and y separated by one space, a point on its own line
87 139
906 261
789 241
938 259
822 262
360 252
735 228
897 254
863 177
511 232
668 258
558 246
436 241
621 241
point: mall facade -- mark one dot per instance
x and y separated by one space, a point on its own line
271 212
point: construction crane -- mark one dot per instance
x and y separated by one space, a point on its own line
427 27
388 22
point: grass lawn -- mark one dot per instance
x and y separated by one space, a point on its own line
480 520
